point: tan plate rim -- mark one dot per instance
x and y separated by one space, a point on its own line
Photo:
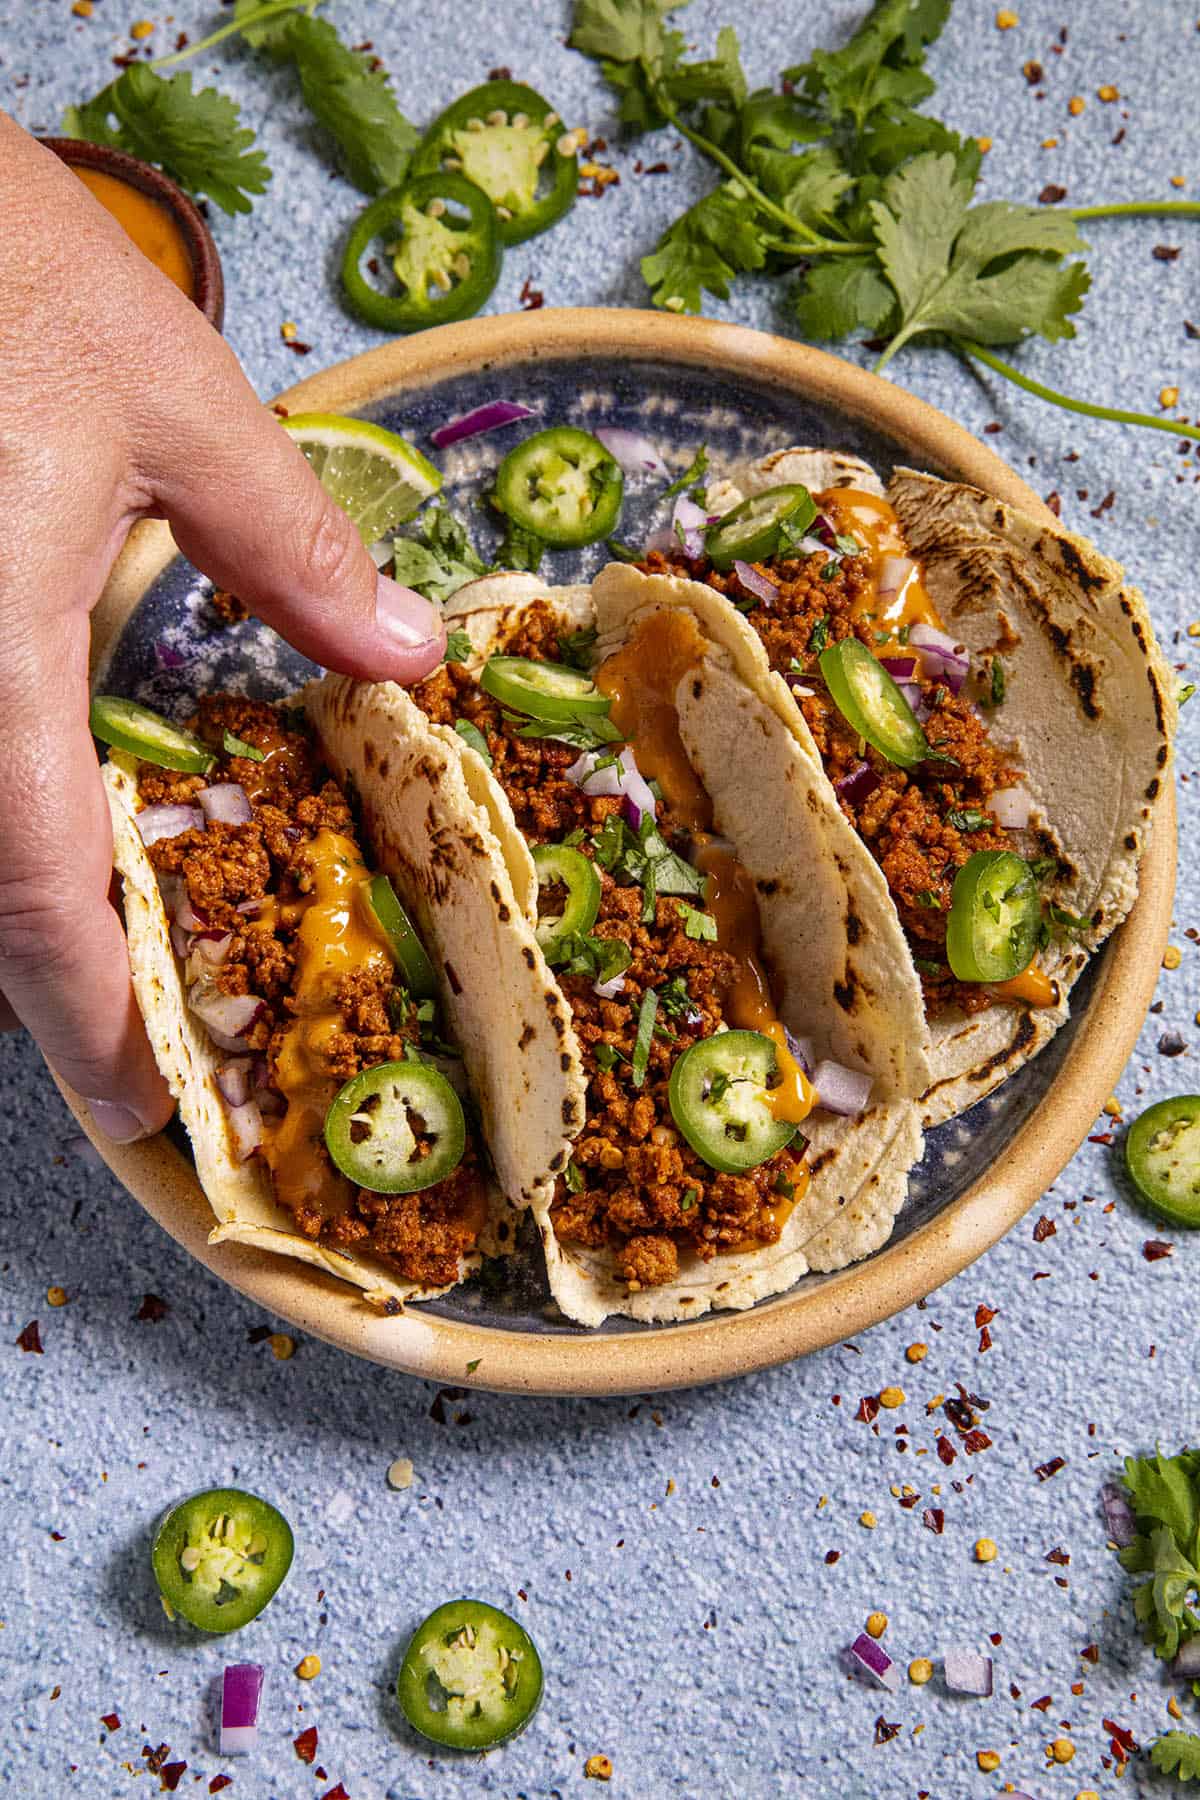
640 1360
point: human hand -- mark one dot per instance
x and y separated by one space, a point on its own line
117 402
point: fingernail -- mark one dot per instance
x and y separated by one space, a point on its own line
120 1123
405 616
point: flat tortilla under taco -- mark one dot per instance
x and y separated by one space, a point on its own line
657 957
1031 668
274 966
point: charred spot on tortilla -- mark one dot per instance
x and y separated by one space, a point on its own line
452 978
1163 754
384 766
1131 842
1152 789
565 1062
369 754
558 1160
526 1038
854 927
530 959
820 1162
697 688
769 886
1021 1039
844 992
392 1308
1083 680
569 1113
1076 566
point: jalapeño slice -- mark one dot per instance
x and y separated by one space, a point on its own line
563 486
439 233
995 917
1162 1154
407 948
396 1128
505 138
127 726
718 1093
753 531
471 1677
542 690
220 1556
872 704
559 866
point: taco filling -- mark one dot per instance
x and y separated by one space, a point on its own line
834 597
696 1094
306 973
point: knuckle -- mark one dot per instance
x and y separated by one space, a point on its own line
38 935
331 548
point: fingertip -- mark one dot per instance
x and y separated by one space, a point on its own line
411 628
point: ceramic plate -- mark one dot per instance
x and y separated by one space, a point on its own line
683 382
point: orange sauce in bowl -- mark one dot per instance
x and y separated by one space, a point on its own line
146 221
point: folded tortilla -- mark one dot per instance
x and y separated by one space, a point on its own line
1088 714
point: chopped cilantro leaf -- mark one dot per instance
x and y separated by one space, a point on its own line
692 476
1185 693
968 818
688 1199
471 734
236 746
997 684
698 925
623 552
573 1176
576 647
438 557
458 647
930 900
583 733
674 997
1176 1753
645 1032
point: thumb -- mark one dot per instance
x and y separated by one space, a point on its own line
246 508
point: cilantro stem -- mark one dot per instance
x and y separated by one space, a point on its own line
966 348
814 244
261 15
1134 209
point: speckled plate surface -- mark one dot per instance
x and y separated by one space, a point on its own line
684 382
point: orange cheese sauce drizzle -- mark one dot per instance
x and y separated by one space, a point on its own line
336 933
146 221
641 680
873 522
1032 985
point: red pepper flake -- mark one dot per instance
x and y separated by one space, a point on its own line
1190 330
1044 1704
30 1339
884 1731
996 1637
218 1782
111 1721
1041 1275
1165 252
1054 502
258 1334
1124 1744
933 1519
500 74
437 1411
336 1793
1058 1555
1101 1137
296 347
985 1340
1045 1470
993 426
831 1556
946 1451
868 1409
1090 1653
1154 1249
908 1501
531 297
976 1441
1052 194
1045 1228
171 1776
151 1310
1032 72
305 1745
1098 512
58 1537
156 1758
984 1315
658 168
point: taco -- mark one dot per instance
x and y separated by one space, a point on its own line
305 1032
991 713
722 999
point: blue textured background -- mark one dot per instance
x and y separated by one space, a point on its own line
692 1635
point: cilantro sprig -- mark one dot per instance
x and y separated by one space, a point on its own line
842 178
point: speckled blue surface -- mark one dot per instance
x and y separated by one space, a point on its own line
694 1640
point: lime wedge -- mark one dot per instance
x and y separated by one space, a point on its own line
372 474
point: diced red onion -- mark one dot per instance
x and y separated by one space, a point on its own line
250 906
241 1692
841 1090
894 571
631 814
759 585
634 785
967 1672
488 417
912 693
155 822
245 1122
688 522
822 529
814 546
1118 1514
227 1016
608 990
206 952
943 658
233 1079
180 942
1011 807
635 453
226 803
875 1660
620 779
857 784
900 668
802 1049
1187 1662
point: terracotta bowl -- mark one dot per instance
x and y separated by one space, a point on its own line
207 279
685 381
